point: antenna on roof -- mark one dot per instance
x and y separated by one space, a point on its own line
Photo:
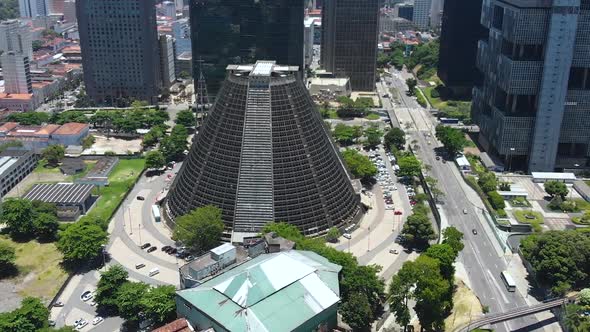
202 97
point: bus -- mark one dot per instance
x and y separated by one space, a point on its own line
156 212
449 120
508 281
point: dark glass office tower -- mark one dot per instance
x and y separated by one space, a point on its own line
350 30
263 155
461 30
225 32
119 47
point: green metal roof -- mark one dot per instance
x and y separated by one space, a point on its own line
273 292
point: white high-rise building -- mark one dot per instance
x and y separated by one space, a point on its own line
422 13
16 72
436 12
308 33
15 36
33 8
169 9
167 61
70 10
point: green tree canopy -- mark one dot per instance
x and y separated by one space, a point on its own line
129 299
18 216
496 200
54 154
452 139
454 238
200 229
344 134
158 304
411 83
395 137
357 312
446 256
186 118
333 234
154 159
418 230
409 165
560 259
359 165
556 188
487 181
373 136
81 242
32 315
173 146
29 118
46 226
433 294
108 287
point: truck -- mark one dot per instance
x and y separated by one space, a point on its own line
156 212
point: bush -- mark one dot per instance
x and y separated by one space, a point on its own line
496 200
420 98
434 93
569 206
555 203
501 213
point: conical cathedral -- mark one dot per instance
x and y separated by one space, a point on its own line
263 155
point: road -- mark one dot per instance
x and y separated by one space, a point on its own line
482 257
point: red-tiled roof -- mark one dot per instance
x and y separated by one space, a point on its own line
8 126
70 128
179 325
15 96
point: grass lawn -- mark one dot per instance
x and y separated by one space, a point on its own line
521 216
121 180
40 273
43 169
582 204
373 116
435 102
520 202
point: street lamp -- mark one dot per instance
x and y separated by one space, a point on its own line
510 159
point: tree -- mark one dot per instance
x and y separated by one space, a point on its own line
409 166
8 9
43 207
560 259
433 294
418 230
574 320
364 279
108 287
184 75
496 200
200 229
129 299
487 182
158 304
46 226
18 215
344 134
7 259
173 146
454 238
373 135
154 160
81 242
556 188
359 165
53 154
356 312
333 234
186 118
411 83
584 296
34 311
395 137
504 186
400 292
453 139
446 256
88 141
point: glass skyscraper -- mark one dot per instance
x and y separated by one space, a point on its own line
225 32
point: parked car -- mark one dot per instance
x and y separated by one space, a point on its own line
58 304
139 266
347 236
166 248
51 322
140 198
474 231
82 323
189 258
152 248
393 251
87 295
145 245
172 251
97 320
464 211
397 213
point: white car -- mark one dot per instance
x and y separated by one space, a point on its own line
97 320
92 303
464 211
87 295
389 207
347 236
81 324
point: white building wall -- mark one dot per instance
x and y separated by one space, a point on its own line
70 10
15 36
308 34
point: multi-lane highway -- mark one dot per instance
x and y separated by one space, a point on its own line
482 257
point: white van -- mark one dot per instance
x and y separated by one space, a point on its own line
348 236
154 271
